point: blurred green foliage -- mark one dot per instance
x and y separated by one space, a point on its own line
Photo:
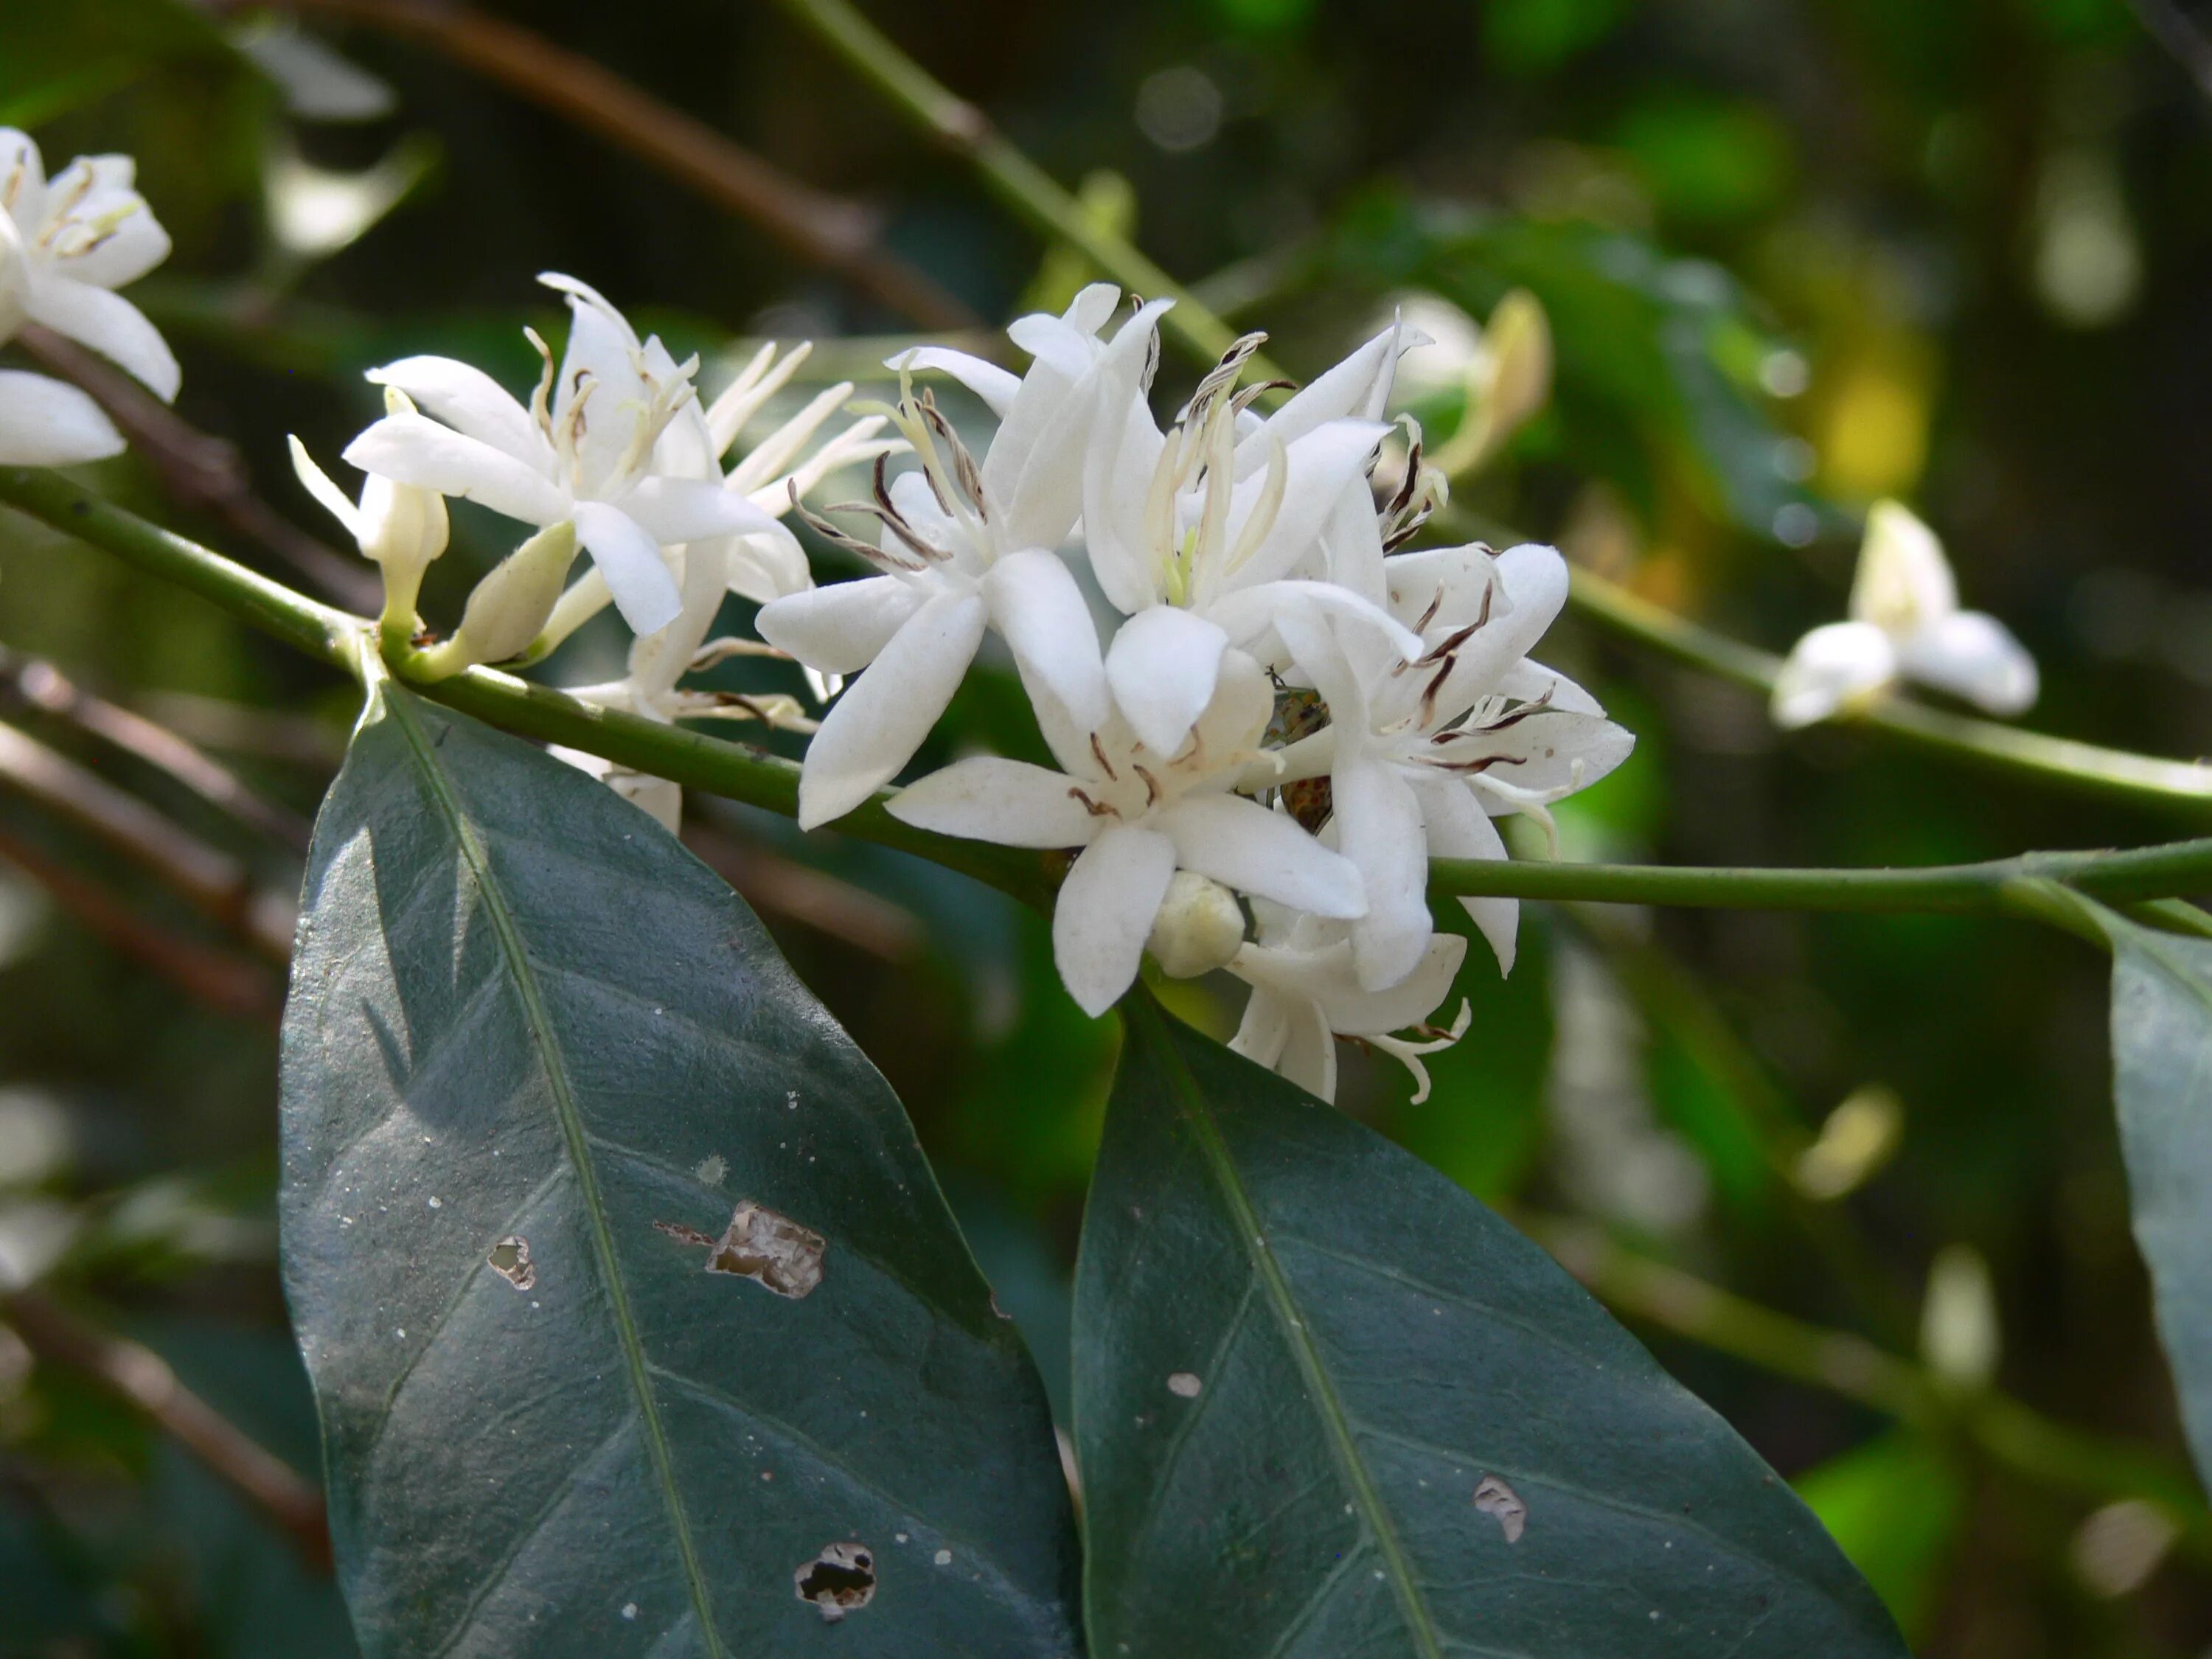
1794 256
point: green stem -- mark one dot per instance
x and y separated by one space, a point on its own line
1024 186
2005 1430
2142 779
1997 887
2017 886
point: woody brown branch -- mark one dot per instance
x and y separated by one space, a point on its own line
827 230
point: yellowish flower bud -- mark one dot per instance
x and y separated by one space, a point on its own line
510 606
1198 928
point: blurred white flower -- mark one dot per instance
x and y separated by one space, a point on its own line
65 244
1906 624
583 453
1139 816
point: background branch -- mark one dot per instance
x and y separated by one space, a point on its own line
203 472
840 235
213 882
145 1380
43 686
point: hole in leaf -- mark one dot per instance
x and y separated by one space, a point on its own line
1184 1385
510 1259
1494 1498
759 1244
838 1581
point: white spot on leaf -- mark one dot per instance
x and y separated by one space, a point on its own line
1494 1498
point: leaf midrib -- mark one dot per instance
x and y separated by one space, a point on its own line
577 1138
1335 1421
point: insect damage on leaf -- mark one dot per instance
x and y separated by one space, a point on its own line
1493 1497
840 1580
510 1259
759 1244
1185 1385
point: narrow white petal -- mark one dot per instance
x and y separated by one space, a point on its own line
1903 582
414 449
1265 1030
44 422
1242 845
769 567
1321 465
1536 579
874 727
319 484
673 510
1458 827
1357 388
627 555
1378 827
1828 668
1038 608
1006 801
996 387
135 246
838 629
1449 586
1164 665
467 399
1973 655
1530 682
111 326
1105 911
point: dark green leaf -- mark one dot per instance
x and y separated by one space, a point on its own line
1327 1404
523 1015
2162 1088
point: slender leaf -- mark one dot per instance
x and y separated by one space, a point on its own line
1327 1403
537 1060
2162 1088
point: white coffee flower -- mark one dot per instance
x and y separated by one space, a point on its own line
964 545
583 453
1906 624
398 526
1138 817
1206 535
65 244
1306 994
1421 755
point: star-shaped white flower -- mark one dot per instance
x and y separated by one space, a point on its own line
1421 755
1207 535
583 453
964 545
1906 624
1138 817
65 244
1306 994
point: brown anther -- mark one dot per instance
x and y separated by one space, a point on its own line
1152 785
1098 754
1097 809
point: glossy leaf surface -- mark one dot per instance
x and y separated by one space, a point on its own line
1328 1403
541 1070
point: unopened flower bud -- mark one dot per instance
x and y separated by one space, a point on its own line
510 606
1198 928
1508 381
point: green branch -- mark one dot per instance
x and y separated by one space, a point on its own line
2006 1432
2142 779
2034 885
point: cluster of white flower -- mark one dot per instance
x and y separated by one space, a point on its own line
1286 715
1284 720
66 244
